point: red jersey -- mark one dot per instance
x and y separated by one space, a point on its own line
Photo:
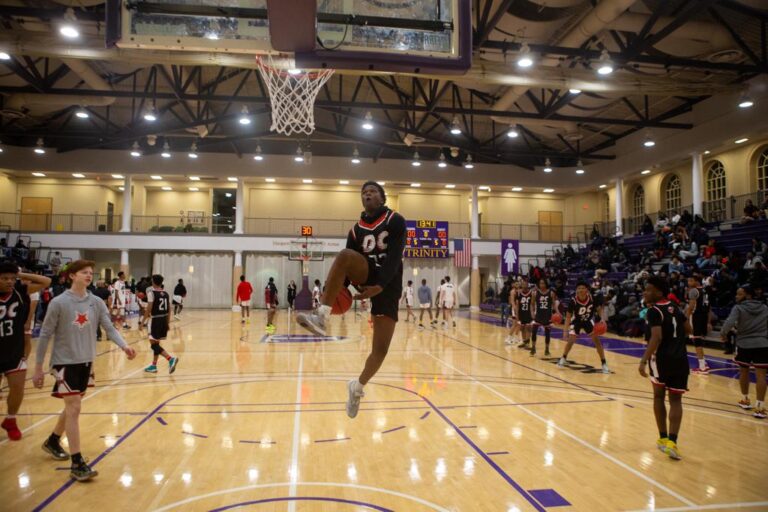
244 291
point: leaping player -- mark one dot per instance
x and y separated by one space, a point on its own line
581 318
373 262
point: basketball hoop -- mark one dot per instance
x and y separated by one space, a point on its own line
292 94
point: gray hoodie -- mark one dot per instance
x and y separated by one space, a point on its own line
73 321
750 317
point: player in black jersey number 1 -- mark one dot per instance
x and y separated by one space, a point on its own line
373 262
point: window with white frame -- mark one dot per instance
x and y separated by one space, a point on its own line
673 194
715 181
606 208
638 201
762 170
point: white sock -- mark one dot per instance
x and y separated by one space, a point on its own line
324 311
759 404
702 363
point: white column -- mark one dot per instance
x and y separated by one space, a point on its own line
240 210
239 260
124 263
697 164
619 205
126 224
237 271
474 277
474 225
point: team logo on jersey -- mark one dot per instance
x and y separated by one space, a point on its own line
9 312
81 319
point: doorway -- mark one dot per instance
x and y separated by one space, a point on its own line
550 226
110 216
36 213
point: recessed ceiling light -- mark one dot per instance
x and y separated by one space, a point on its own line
742 140
121 189
382 183
118 176
232 178
646 171
517 189
343 182
155 177
484 187
707 152
415 185
167 188
228 194
194 178
39 174
195 189
450 185
603 185
549 190
269 180
78 175
306 180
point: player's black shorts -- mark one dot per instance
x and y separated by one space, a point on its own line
757 357
699 324
158 328
524 317
671 375
581 326
544 321
17 364
72 379
388 301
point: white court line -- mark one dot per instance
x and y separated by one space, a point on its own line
573 436
294 471
307 484
39 422
714 506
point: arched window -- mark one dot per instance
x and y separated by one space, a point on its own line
638 202
762 170
606 208
715 181
673 194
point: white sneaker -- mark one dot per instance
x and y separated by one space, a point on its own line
355 390
177 317
509 340
605 368
562 362
313 322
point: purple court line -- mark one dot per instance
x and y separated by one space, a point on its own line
247 441
467 426
161 421
303 498
333 440
497 453
193 434
394 429
425 415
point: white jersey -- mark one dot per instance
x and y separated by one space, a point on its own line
409 295
447 294
316 295
118 294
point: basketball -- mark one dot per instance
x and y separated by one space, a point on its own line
557 318
601 328
342 303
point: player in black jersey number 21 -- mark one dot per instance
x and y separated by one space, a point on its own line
373 262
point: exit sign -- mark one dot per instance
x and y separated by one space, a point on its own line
306 230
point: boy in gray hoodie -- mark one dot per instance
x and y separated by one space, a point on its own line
73 318
750 318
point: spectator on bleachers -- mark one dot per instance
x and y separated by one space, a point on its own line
569 252
759 277
708 256
55 262
60 285
647 227
751 212
676 265
759 247
675 220
764 208
749 264
662 221
686 219
690 250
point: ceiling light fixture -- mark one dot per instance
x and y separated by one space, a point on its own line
166 150
602 186
193 152
547 166
232 179
194 178
512 133
193 189
649 142
548 190
270 180
4 56
574 90
39 174
82 114
299 157
742 140
382 183
244 116
150 114
450 185
484 187
707 152
167 188
355 156
415 162
416 185
455 127
441 163
646 171
368 121
604 64
517 189
343 182
525 57
745 101
306 180
156 177
118 176
69 28
135 150
580 168
468 163
39 149
258 156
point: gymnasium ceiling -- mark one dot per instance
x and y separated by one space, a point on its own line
669 56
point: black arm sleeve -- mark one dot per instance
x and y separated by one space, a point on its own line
395 248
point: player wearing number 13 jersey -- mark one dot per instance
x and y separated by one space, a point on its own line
373 262
158 311
580 318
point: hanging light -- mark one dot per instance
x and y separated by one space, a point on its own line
39 149
415 162
574 90
258 156
299 157
512 133
441 163
69 28
368 121
4 56
547 166
649 142
604 64
525 57
746 101
150 114
580 168
135 150
355 156
455 127
166 150
193 151
82 114
245 118
468 163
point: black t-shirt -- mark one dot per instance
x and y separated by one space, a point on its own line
14 311
381 237
102 293
668 316
702 302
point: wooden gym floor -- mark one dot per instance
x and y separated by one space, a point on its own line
455 420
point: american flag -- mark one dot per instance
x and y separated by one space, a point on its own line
462 252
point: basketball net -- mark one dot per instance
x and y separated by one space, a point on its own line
292 94
305 265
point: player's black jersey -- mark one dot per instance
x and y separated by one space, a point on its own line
582 311
160 302
544 305
673 337
14 310
702 302
524 303
381 238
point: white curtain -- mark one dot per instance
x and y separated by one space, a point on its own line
260 267
208 277
433 270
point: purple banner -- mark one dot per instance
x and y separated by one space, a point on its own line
510 257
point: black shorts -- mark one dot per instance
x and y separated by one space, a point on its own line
524 317
757 357
17 364
580 326
673 377
158 328
699 324
543 321
386 303
72 379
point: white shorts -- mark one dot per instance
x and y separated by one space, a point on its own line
245 303
409 302
448 304
178 299
426 305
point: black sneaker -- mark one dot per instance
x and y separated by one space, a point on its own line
82 472
546 353
55 449
533 351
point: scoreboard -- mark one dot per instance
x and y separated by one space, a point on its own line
426 239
